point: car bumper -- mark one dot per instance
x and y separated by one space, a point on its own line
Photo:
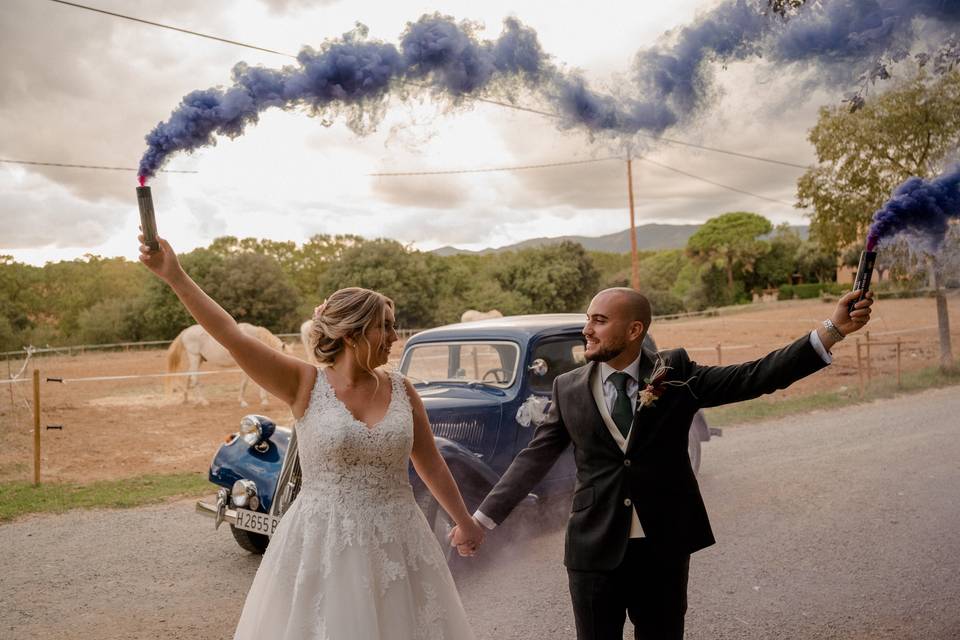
219 509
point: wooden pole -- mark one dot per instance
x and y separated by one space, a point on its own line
36 426
12 401
859 367
634 260
899 380
866 334
719 355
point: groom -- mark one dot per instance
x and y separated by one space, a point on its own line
637 514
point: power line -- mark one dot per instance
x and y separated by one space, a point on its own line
447 172
84 166
166 26
725 151
713 182
498 103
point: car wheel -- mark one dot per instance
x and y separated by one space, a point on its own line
693 449
440 524
250 541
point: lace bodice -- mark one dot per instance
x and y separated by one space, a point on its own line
343 456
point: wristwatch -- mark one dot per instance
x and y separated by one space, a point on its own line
832 330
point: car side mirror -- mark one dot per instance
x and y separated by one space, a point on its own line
539 367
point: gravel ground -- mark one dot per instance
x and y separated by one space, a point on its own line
841 524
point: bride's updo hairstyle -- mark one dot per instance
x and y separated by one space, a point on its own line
347 313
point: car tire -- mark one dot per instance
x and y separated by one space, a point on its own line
250 541
440 525
693 449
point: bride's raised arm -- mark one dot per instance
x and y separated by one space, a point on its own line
289 379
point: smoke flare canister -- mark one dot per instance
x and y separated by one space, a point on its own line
864 272
148 222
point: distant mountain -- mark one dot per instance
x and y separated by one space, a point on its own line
650 237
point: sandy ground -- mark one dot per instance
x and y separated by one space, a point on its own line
839 525
123 428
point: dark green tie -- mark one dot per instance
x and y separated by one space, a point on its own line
622 413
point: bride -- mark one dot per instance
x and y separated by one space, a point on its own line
353 558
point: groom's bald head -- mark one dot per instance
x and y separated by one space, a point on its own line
617 321
630 303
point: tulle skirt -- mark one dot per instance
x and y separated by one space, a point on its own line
343 572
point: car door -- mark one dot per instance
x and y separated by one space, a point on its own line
549 358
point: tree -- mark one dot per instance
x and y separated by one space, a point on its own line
910 131
18 300
164 316
731 241
913 130
392 269
253 288
552 279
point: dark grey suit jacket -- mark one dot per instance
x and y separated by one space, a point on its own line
654 475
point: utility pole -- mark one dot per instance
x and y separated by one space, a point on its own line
634 261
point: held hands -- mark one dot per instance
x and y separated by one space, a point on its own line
163 262
849 321
467 537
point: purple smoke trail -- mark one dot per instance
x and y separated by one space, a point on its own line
923 207
837 34
354 75
671 79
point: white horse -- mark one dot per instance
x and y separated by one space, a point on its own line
196 344
305 330
472 315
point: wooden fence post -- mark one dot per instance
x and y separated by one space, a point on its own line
859 367
36 427
719 355
869 367
899 380
12 401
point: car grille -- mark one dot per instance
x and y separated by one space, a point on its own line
468 432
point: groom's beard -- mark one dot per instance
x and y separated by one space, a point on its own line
608 353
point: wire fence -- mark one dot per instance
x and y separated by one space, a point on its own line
104 416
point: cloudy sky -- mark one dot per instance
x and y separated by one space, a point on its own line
82 87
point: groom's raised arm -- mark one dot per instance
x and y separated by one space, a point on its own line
713 385
528 468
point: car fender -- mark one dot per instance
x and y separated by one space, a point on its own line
471 473
237 460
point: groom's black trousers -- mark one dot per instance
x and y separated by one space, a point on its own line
650 584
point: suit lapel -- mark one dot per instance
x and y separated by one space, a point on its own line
590 416
644 425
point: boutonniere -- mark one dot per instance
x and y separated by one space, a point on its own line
656 384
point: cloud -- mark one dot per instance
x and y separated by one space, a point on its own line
431 192
92 102
284 6
37 212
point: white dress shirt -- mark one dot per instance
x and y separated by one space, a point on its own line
633 386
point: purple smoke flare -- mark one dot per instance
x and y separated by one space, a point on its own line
670 80
921 207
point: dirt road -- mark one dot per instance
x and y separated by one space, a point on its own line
832 525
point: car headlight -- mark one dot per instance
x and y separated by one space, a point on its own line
255 429
244 495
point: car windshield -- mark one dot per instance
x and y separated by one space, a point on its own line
493 363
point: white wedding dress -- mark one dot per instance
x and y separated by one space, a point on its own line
353 558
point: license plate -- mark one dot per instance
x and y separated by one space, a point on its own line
256 522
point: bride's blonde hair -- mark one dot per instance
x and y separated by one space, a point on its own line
348 313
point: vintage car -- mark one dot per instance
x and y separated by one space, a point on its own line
486 386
